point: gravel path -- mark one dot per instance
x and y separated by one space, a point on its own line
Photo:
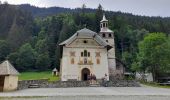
89 93
92 98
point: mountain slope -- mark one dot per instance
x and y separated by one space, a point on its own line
43 12
16 25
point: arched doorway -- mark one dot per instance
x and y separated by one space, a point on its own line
84 74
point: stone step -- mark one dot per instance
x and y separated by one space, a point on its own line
33 86
95 85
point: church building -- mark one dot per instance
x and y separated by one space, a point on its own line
88 53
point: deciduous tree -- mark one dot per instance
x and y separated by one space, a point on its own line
154 54
26 57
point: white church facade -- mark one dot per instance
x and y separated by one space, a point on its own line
88 53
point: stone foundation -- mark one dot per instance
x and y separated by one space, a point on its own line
123 83
44 83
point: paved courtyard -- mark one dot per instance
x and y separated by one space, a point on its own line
89 93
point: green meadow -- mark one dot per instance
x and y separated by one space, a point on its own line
38 75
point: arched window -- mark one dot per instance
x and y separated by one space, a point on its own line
85 53
88 54
106 24
72 60
103 24
82 54
98 61
103 35
110 35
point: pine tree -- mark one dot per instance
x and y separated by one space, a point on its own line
4 50
98 17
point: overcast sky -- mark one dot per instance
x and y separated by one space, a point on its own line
137 7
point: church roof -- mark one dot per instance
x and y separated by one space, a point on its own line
106 30
86 33
6 68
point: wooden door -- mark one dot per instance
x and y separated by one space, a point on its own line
2 79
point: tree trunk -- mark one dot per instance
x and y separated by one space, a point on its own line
154 74
122 47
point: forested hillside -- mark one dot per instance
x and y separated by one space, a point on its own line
29 35
14 21
44 12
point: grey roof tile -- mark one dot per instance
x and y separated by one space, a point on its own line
86 33
6 68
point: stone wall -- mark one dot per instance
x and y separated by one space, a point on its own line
44 83
123 83
26 83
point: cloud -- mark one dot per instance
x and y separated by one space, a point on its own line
141 7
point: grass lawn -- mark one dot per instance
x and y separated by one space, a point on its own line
155 85
38 75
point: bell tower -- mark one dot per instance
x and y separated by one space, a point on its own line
108 36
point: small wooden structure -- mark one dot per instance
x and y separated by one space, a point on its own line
164 80
55 72
8 77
